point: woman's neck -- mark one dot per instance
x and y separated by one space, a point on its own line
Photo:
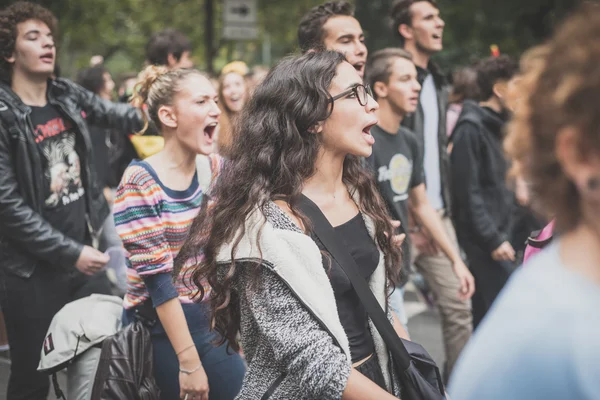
580 251
326 185
174 157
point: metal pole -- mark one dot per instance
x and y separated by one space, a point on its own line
209 35
266 49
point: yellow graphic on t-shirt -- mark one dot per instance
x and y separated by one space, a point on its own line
398 173
400 170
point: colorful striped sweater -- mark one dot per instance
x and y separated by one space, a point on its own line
153 222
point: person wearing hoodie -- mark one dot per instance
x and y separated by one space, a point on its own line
481 202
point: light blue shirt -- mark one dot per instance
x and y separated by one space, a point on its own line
431 157
540 341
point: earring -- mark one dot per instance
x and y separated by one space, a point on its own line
593 183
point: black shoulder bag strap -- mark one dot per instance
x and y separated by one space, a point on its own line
325 232
323 229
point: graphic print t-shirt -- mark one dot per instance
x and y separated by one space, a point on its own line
64 194
398 164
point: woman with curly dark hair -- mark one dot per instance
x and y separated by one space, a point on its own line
303 329
541 338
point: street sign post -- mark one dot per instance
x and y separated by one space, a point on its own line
239 20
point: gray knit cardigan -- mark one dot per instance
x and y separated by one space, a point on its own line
290 331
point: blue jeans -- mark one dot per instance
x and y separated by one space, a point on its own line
397 306
225 371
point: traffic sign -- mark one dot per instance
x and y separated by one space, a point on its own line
239 20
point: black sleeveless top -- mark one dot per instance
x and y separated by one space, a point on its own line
353 316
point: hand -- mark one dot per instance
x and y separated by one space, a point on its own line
398 239
424 244
504 253
91 260
108 194
465 278
194 385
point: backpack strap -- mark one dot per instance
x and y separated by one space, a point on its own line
536 243
338 251
57 392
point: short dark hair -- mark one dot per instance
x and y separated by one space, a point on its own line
310 30
464 85
494 69
92 78
165 42
10 17
400 14
379 65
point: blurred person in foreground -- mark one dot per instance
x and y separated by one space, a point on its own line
540 340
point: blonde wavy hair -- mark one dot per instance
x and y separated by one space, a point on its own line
559 88
157 86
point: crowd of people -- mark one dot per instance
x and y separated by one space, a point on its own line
203 184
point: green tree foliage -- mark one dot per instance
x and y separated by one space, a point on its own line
472 26
119 30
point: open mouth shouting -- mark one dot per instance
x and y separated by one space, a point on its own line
366 132
359 67
209 131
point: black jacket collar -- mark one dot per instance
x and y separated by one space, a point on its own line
435 71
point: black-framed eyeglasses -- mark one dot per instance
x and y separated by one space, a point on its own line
362 93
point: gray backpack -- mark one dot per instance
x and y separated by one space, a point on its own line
74 341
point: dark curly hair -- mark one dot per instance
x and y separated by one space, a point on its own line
560 87
494 69
400 14
278 154
10 17
310 30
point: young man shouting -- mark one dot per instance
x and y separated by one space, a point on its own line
51 206
332 26
419 28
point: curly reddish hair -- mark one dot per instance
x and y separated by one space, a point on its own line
10 17
561 89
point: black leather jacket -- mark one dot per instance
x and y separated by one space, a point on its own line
416 121
26 238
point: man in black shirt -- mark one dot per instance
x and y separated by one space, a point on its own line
482 204
51 207
63 190
397 158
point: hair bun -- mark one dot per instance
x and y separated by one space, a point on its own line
146 79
